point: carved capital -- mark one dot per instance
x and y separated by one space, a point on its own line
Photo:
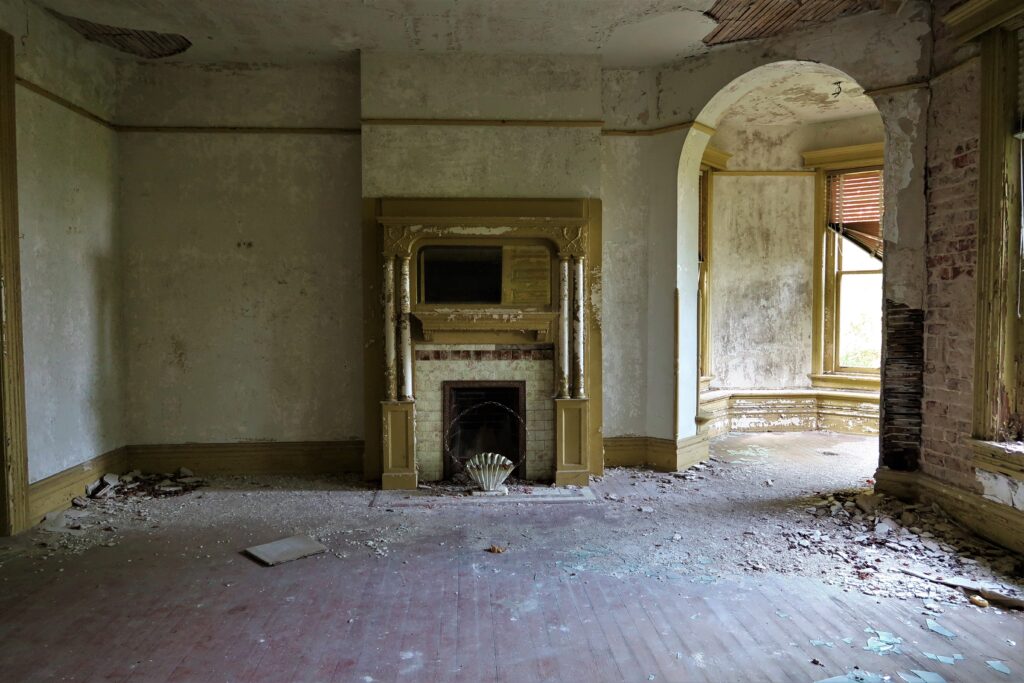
398 241
572 241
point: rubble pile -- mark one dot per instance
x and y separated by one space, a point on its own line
892 549
109 502
135 483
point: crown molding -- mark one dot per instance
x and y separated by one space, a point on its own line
976 17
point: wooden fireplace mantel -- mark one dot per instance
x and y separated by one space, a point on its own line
453 325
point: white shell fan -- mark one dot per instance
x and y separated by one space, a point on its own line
489 470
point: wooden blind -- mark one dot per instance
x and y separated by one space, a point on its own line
855 208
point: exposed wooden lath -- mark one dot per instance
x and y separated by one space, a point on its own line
148 44
750 19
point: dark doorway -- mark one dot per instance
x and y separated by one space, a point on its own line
484 417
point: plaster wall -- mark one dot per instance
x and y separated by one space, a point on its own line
625 256
481 161
243 292
71 285
307 96
70 271
779 148
762 252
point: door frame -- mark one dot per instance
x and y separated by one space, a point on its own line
13 437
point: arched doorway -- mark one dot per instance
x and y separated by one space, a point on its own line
764 316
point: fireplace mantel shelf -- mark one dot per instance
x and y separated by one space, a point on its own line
449 322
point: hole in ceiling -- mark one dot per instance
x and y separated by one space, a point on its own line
752 19
147 44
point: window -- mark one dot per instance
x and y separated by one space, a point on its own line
853 248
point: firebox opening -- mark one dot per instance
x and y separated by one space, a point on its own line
484 418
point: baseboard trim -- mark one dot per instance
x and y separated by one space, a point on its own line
248 457
843 411
998 523
56 491
664 455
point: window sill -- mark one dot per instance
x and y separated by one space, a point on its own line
846 381
1005 458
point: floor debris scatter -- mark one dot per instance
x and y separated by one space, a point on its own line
819 578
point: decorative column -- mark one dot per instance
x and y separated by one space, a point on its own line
579 328
390 368
398 412
572 415
563 328
403 330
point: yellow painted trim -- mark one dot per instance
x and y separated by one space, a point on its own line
663 455
976 17
13 433
872 382
57 99
715 158
671 128
530 123
819 275
126 128
853 156
56 491
996 394
901 87
239 130
1000 523
765 173
998 457
249 457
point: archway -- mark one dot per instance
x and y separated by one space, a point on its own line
809 100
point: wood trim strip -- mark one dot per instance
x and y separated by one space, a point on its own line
891 89
292 130
14 451
67 104
125 128
994 386
974 18
529 123
685 125
998 457
255 457
257 130
765 173
663 455
56 491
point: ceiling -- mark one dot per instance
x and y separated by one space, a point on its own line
626 33
810 94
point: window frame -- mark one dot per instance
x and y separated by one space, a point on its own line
834 273
824 372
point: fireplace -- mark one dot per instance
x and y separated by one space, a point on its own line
488 321
483 417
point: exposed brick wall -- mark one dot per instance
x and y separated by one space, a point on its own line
902 379
951 254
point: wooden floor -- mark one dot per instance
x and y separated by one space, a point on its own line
430 616
184 605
